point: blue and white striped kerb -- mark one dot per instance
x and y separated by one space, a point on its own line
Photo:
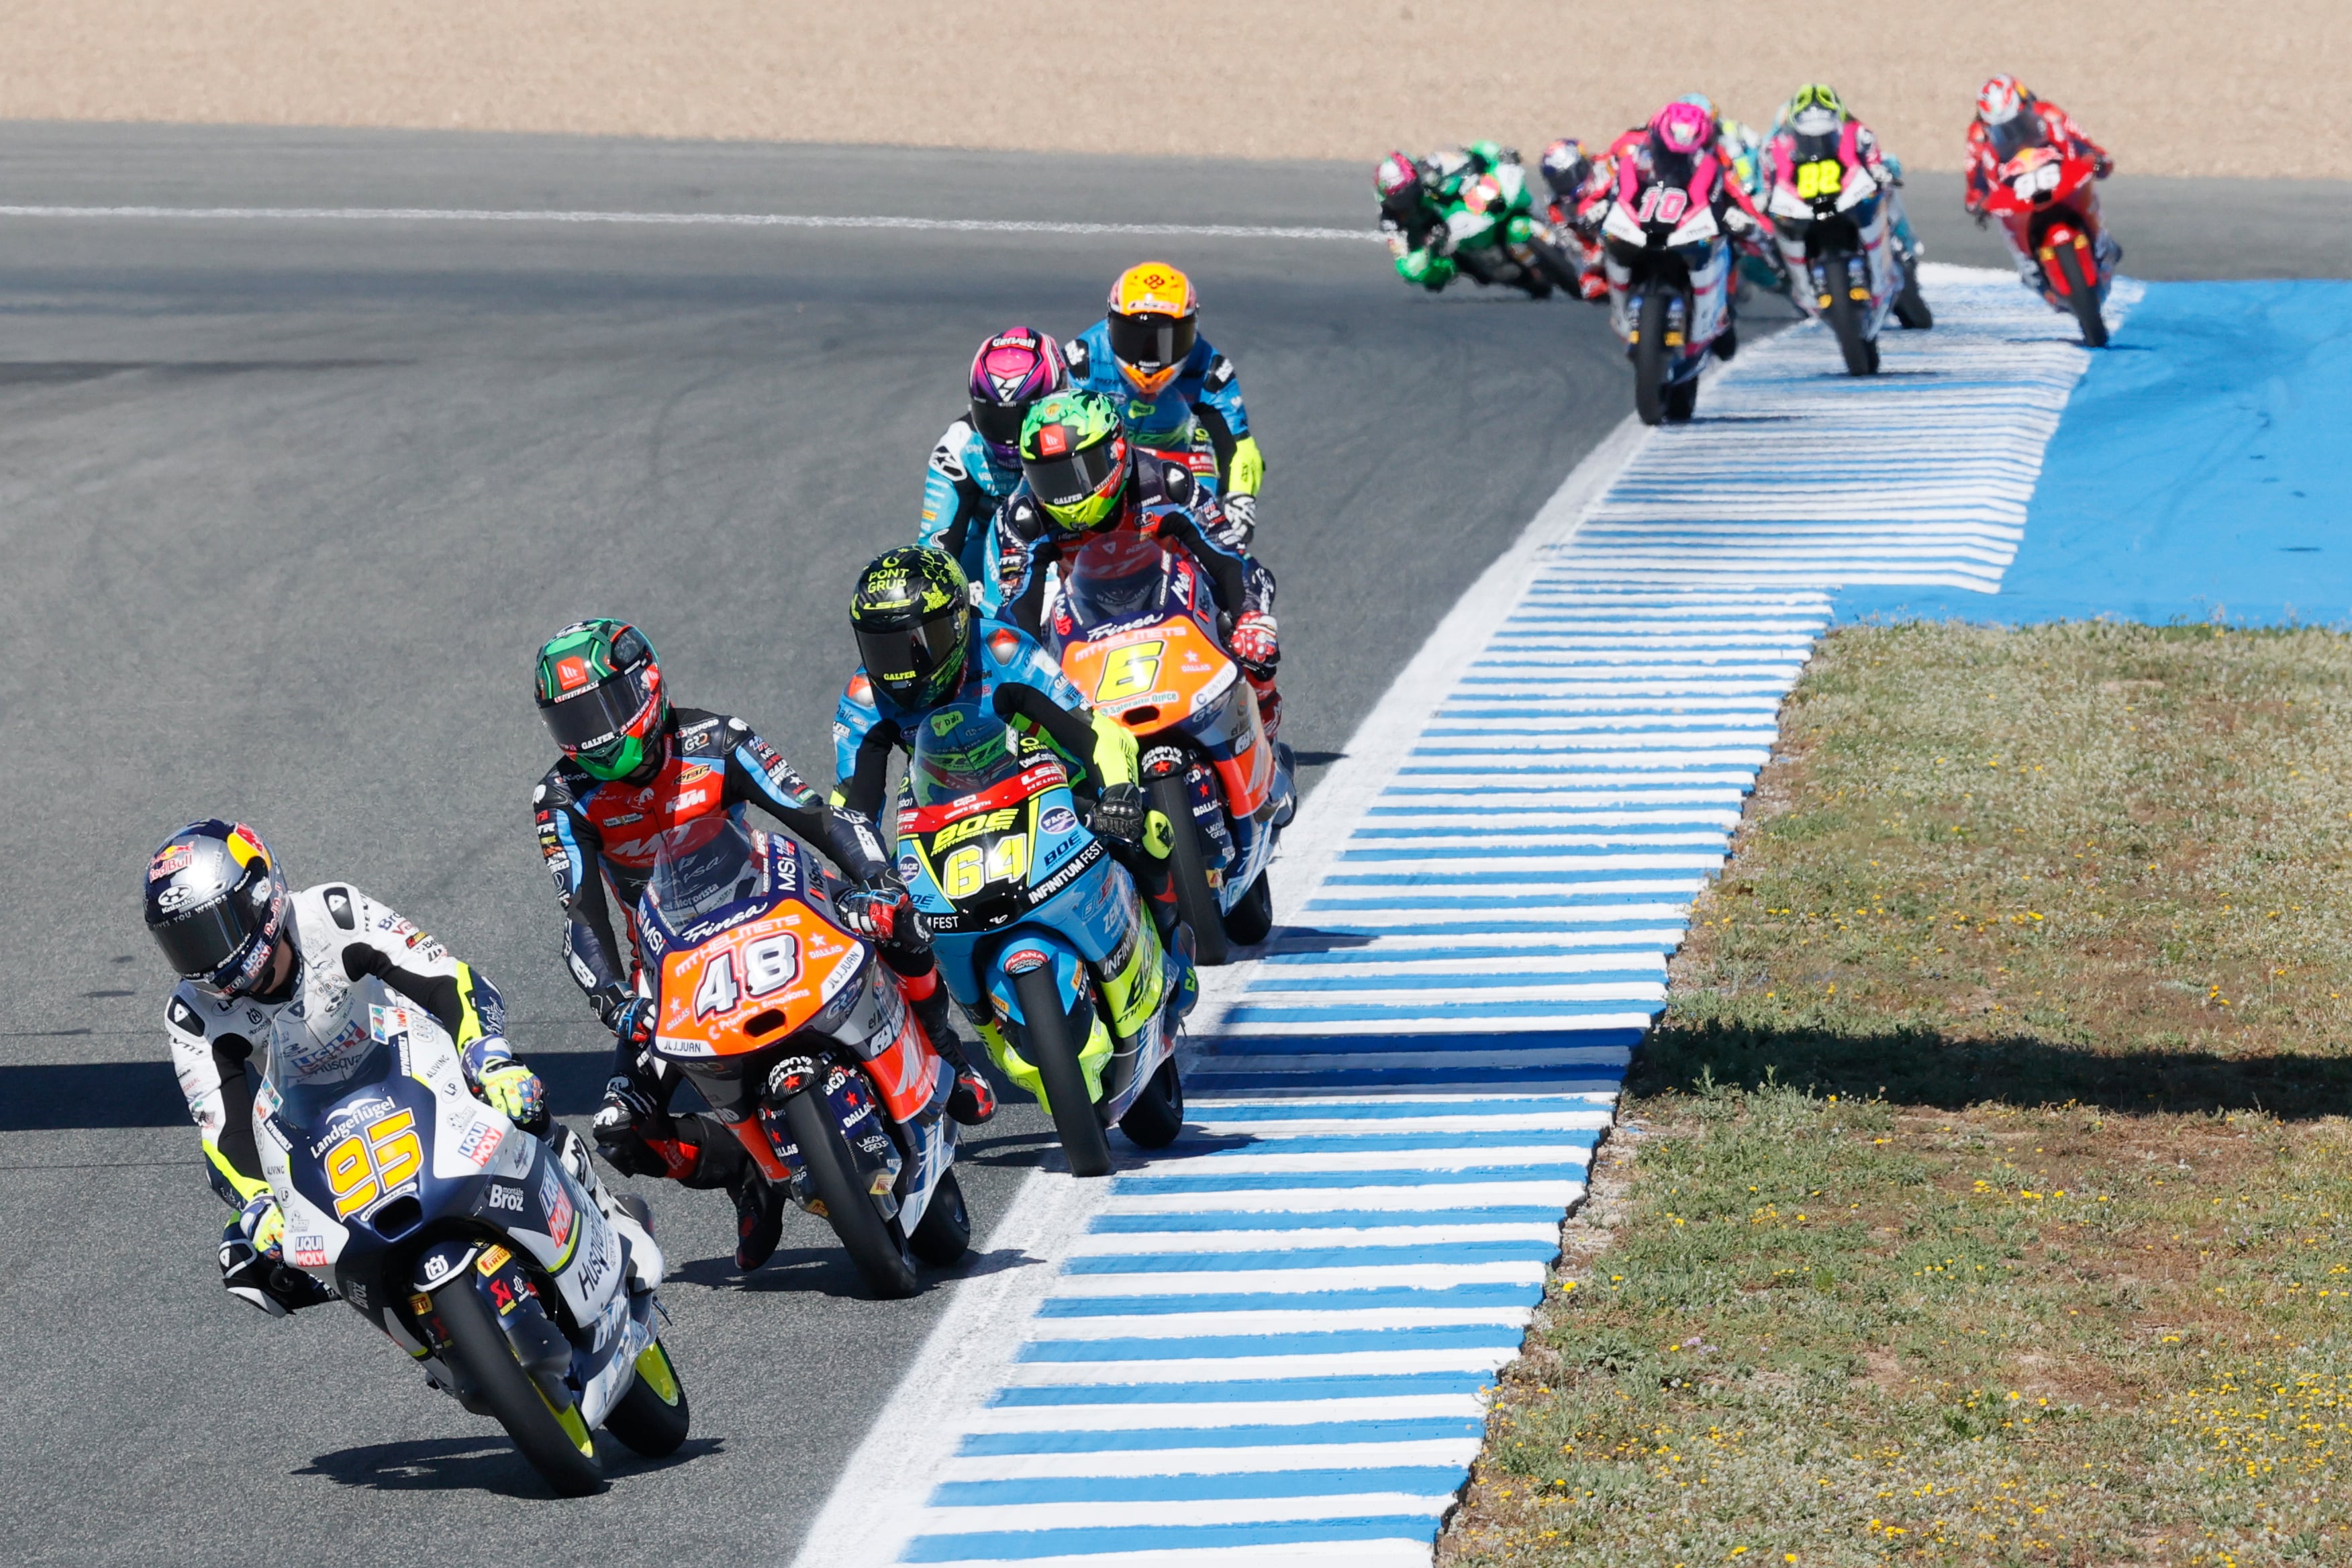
1273 1342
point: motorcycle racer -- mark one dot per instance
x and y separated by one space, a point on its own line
1413 222
1680 148
634 770
1816 110
977 464
1176 391
1579 201
245 949
1085 478
2008 120
921 644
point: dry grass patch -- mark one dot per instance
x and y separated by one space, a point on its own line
1995 1199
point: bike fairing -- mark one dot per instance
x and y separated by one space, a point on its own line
2031 123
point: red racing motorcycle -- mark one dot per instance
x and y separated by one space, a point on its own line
2047 205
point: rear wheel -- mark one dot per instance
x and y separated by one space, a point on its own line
1911 307
556 1441
1158 1114
1251 920
1196 902
1650 359
652 1417
872 1242
1845 322
945 1229
1046 1040
2083 298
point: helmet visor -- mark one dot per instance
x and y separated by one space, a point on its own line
199 941
2012 136
1074 477
601 716
903 660
1152 341
999 424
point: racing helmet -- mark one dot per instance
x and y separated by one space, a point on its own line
1154 322
912 617
2001 99
1705 105
1566 168
1816 110
216 905
1397 181
600 694
1682 128
1012 370
1074 455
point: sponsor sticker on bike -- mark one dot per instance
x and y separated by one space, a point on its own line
480 1145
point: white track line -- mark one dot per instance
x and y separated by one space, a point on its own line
689 220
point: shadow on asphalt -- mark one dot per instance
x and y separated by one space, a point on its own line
488 1463
1924 1068
827 1272
54 1097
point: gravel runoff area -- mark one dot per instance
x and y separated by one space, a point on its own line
2172 86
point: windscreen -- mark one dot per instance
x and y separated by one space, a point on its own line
1115 577
703 866
960 749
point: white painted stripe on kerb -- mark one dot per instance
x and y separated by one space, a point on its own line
692 220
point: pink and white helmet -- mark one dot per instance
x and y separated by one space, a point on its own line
1682 127
1012 370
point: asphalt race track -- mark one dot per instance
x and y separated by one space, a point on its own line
287 506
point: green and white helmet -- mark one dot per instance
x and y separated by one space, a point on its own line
600 693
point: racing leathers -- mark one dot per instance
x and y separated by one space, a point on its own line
1158 502
339 935
1006 670
1413 222
595 835
1198 414
962 487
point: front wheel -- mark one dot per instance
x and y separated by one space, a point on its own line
1861 358
652 1417
1251 920
1650 359
1046 1039
556 1441
1158 1114
1681 401
945 1230
872 1242
1196 902
2082 297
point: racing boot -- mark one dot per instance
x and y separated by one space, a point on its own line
973 1102
1187 989
721 1162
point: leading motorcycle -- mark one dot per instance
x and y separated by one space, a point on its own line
2047 205
1669 266
493 1257
796 1034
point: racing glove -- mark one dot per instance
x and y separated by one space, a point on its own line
1240 517
1253 643
263 1225
873 911
1247 470
629 1016
1119 815
2102 168
516 1091
260 1280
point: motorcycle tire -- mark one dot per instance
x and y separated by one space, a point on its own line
652 1418
1251 920
1857 350
1196 902
1681 401
1650 360
944 1232
556 1443
2082 299
1911 308
1158 1114
874 1243
1045 1041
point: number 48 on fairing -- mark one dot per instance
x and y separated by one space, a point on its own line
769 965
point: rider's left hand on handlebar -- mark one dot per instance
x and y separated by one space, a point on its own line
1255 643
875 911
263 1224
515 1092
1119 815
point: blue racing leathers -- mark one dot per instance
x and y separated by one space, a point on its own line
1204 395
962 487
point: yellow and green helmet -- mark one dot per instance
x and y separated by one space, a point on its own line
1814 109
1074 454
912 617
600 693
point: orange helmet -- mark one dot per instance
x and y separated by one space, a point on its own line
1154 321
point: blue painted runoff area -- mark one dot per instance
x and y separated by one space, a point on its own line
2199 473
